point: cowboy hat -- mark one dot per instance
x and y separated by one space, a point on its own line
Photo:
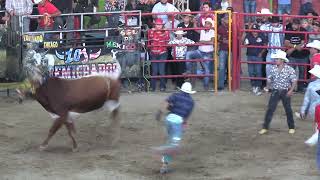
315 71
159 21
314 44
36 1
188 11
280 55
210 21
187 88
264 11
180 32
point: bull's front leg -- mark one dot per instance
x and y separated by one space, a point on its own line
71 132
54 128
114 128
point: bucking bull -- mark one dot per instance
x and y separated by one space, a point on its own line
65 99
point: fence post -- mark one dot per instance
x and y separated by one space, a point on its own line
235 53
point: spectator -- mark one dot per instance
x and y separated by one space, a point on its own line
171 23
65 7
162 7
158 37
274 39
113 19
305 25
315 52
83 6
312 13
188 23
204 51
315 29
146 7
16 9
194 5
132 20
223 40
282 85
255 54
249 6
306 6
49 12
225 4
179 52
295 43
284 6
206 8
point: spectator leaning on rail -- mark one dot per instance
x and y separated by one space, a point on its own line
180 106
180 53
206 8
189 23
274 39
158 37
16 9
315 29
163 7
295 43
223 40
282 80
255 54
49 12
203 52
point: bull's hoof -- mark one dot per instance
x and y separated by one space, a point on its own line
43 147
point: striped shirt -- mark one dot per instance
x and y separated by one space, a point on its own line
19 7
181 104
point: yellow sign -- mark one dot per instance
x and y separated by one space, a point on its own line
50 44
33 38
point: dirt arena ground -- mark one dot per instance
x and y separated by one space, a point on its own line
221 142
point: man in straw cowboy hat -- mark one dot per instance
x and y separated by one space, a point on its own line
179 52
188 22
180 106
311 97
203 52
282 80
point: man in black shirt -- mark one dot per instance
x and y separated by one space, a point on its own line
295 43
65 6
191 34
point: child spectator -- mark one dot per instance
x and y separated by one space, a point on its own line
158 37
179 52
255 55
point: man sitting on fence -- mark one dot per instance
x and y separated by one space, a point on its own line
203 52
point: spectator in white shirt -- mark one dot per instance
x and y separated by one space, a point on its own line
162 7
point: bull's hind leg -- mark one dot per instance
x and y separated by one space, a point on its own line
54 128
71 132
114 128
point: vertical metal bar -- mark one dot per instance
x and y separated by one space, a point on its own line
216 60
81 22
235 58
229 50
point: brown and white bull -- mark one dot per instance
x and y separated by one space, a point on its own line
64 99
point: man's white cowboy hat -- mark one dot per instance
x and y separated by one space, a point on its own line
36 1
209 20
187 88
315 71
280 55
264 11
180 32
314 44
188 11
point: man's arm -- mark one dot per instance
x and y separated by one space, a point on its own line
29 5
305 104
163 107
9 7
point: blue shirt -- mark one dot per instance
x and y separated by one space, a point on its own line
255 41
311 99
181 104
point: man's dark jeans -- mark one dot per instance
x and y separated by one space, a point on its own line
276 96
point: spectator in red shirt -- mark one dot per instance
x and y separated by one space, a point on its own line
158 38
49 11
206 14
223 40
